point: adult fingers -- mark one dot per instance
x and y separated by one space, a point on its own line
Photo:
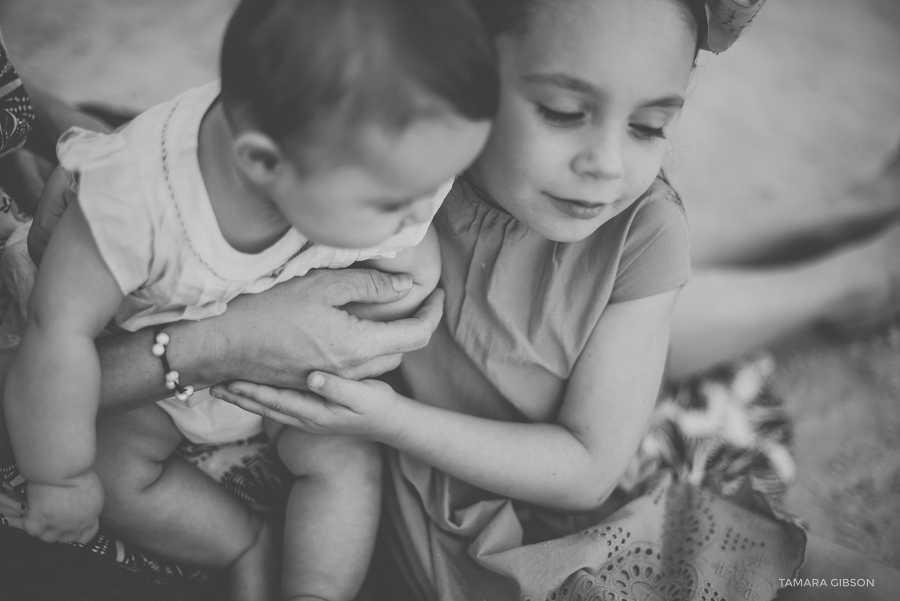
13 520
364 286
51 206
405 335
11 507
373 368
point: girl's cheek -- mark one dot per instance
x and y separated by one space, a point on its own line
644 167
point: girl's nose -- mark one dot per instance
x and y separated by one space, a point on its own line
602 159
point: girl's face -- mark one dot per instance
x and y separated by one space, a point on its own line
588 92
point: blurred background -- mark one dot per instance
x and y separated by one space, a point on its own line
804 106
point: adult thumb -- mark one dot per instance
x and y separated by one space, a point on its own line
368 286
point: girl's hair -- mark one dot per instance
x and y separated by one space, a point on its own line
511 16
315 69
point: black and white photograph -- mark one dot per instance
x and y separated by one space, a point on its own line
449 300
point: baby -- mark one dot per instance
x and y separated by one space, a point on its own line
332 138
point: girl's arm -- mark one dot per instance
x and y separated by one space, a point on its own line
571 465
53 384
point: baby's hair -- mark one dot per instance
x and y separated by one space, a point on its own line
511 16
305 71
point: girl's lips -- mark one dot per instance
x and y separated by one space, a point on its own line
578 209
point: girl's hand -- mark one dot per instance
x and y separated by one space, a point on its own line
64 513
335 405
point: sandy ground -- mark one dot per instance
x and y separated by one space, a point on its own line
805 105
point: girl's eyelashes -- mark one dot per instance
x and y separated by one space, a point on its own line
644 132
569 119
560 118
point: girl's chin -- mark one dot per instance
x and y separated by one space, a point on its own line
548 221
568 230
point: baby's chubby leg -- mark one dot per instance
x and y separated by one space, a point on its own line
332 513
166 505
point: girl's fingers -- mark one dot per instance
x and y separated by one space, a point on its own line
337 389
270 403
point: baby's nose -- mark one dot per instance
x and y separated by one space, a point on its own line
420 211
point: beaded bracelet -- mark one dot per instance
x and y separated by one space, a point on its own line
182 393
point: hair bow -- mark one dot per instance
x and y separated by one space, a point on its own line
727 20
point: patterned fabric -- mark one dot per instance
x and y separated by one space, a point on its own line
16 120
725 431
706 557
727 20
248 469
16 112
675 542
697 517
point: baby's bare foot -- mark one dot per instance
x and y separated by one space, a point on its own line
255 575
872 272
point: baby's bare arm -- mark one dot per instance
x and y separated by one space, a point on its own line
422 262
52 389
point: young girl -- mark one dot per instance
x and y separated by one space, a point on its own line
562 253
331 139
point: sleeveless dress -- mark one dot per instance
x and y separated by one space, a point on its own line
518 313
146 204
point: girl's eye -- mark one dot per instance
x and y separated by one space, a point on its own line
644 132
560 117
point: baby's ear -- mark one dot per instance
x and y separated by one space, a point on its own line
258 157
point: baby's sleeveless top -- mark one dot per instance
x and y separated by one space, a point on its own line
143 194
518 314
146 204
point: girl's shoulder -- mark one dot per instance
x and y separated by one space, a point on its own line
655 244
659 210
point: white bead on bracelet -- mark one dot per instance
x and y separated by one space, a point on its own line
182 393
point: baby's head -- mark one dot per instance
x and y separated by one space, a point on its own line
589 90
348 114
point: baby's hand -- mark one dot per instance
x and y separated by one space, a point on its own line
64 513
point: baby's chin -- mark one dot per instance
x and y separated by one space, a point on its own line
334 236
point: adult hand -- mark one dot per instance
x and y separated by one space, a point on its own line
53 202
278 337
24 174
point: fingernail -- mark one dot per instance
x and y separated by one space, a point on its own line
235 390
315 380
216 394
401 282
